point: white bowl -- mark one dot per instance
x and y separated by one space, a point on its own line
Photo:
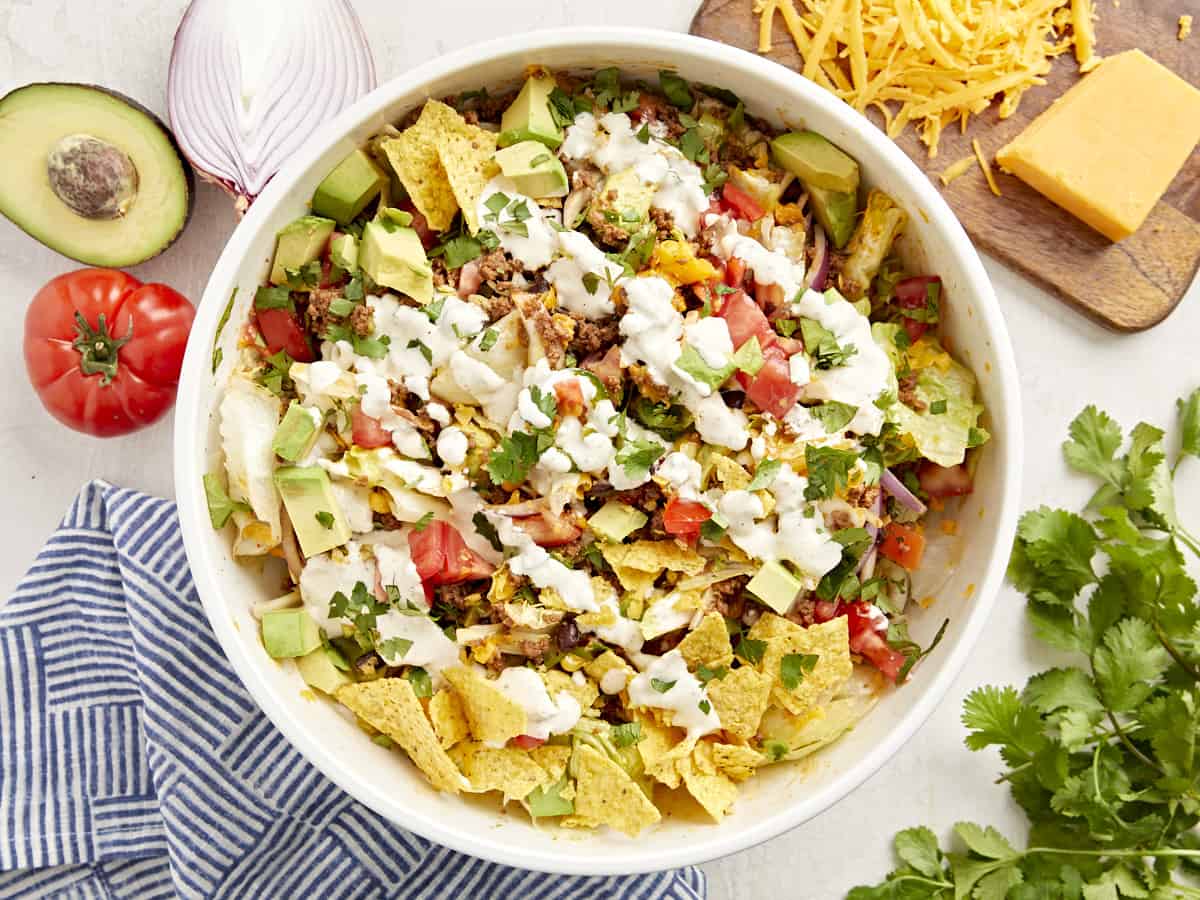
777 799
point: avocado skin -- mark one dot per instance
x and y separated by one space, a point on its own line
185 164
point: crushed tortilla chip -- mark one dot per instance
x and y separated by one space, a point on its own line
640 584
390 705
713 791
553 758
606 795
493 718
467 158
739 700
607 662
446 713
506 769
585 692
415 160
654 556
730 474
829 642
708 644
659 749
736 761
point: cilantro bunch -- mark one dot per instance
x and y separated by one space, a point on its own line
1100 755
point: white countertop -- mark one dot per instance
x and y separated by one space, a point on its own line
1065 362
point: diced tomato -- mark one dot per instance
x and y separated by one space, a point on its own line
915 329
420 225
527 741
281 329
868 638
911 293
903 544
740 203
366 431
442 557
745 320
789 345
683 518
547 530
735 271
772 389
570 397
944 481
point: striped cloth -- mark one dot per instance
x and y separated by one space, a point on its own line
134 765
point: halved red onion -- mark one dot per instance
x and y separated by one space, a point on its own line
819 270
249 82
903 495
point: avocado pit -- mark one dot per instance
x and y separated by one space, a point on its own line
95 179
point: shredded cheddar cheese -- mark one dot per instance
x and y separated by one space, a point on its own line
986 166
931 63
954 170
1185 27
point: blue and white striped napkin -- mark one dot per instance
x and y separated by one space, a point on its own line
134 765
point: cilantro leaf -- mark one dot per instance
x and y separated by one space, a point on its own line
661 686
675 89
997 716
638 455
1189 424
1052 557
794 666
268 297
487 531
764 474
1095 440
833 415
509 464
751 650
325 518
393 649
918 847
422 684
828 470
704 674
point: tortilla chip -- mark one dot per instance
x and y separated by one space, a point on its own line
714 792
607 662
739 700
730 474
446 713
492 717
585 693
415 160
606 795
390 705
660 748
553 758
467 160
506 769
640 584
709 644
654 556
829 642
735 761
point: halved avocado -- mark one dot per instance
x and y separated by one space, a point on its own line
91 174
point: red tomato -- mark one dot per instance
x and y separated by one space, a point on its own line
868 638
103 350
281 329
915 329
911 293
420 225
547 530
527 741
943 481
735 271
569 394
740 203
442 557
366 431
683 518
745 320
903 544
772 389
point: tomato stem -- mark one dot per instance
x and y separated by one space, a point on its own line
98 350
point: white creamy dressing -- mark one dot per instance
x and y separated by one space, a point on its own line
663 616
583 276
682 473
769 266
683 696
544 715
534 244
354 501
614 680
452 446
430 649
323 576
397 569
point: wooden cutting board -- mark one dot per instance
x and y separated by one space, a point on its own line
1128 286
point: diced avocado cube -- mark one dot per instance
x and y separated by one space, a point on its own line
615 521
347 190
298 244
529 117
624 199
548 800
297 432
775 586
318 670
308 497
343 252
535 171
288 633
393 256
815 161
836 213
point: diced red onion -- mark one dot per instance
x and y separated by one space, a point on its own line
249 82
821 258
903 495
866 565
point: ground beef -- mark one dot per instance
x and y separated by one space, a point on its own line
387 522
645 497
317 312
362 320
495 307
584 176
908 393
655 108
413 409
593 336
803 611
862 496
456 595
734 152
553 341
841 519
607 234
441 276
664 223
497 266
729 596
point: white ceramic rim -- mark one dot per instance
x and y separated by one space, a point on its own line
193 509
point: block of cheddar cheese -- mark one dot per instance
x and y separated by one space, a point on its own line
1107 149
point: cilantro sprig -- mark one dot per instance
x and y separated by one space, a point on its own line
1100 752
